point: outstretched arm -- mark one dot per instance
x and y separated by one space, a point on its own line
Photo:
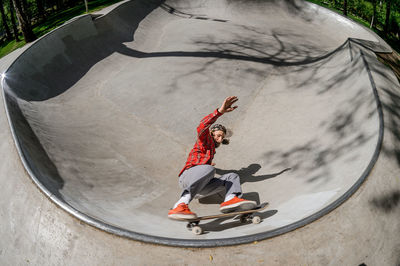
210 119
227 105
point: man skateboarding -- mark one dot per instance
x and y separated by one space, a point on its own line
197 177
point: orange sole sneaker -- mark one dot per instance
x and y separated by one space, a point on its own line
237 204
181 212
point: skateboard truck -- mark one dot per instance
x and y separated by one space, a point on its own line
244 217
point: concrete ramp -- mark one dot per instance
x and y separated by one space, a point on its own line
103 111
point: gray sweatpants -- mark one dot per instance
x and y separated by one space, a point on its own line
200 181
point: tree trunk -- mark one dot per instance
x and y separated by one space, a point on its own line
40 7
24 21
86 6
14 24
25 8
374 14
4 19
345 7
59 4
387 20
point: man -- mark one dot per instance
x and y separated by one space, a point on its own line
197 177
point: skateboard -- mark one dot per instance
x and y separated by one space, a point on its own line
244 217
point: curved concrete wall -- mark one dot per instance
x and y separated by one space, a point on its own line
96 112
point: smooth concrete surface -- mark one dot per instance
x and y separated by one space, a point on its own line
306 131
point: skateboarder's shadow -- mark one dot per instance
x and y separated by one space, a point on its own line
219 225
247 174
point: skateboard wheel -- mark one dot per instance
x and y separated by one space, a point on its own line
256 220
197 230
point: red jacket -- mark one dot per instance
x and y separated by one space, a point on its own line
204 148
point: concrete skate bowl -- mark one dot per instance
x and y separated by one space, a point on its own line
103 111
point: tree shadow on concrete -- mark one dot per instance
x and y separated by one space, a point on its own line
314 158
64 73
80 55
387 203
285 57
389 93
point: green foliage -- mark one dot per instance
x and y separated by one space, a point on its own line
362 12
365 9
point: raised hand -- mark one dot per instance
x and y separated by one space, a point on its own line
227 105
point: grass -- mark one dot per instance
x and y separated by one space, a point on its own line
55 20
8 47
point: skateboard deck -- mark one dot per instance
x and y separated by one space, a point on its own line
244 216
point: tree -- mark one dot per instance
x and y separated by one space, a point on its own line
387 20
13 23
59 4
4 20
345 7
24 21
40 8
374 14
25 8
